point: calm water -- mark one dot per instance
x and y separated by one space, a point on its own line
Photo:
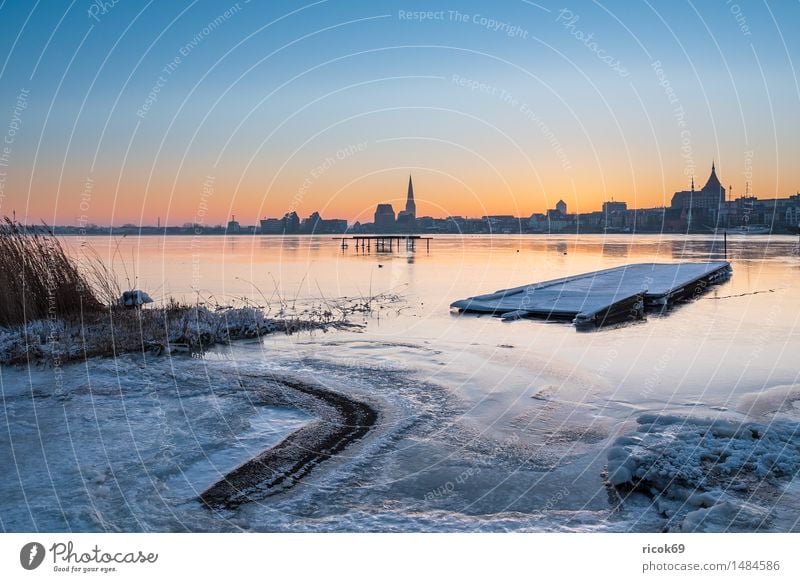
707 352
486 425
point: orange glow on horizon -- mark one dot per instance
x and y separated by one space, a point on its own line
115 201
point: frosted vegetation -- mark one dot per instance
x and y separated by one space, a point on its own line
57 310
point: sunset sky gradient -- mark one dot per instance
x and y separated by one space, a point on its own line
117 113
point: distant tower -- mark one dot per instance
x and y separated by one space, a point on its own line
233 226
713 189
411 207
384 218
692 183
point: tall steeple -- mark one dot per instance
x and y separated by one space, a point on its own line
713 185
411 206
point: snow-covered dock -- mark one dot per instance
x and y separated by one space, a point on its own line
602 297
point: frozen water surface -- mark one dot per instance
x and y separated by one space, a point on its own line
484 425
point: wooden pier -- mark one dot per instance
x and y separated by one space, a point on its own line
603 297
386 243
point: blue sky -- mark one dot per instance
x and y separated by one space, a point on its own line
503 107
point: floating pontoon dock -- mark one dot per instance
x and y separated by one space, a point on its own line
602 297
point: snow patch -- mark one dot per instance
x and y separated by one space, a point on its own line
135 298
707 474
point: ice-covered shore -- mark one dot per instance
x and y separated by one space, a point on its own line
343 420
707 474
151 330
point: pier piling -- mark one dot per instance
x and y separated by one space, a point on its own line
387 242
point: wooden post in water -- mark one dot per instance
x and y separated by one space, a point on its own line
725 239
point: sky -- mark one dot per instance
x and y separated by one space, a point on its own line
132 112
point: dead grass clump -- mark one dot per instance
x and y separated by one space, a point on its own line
37 278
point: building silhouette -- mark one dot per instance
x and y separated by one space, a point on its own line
384 218
233 226
315 224
706 210
407 219
290 223
271 226
701 207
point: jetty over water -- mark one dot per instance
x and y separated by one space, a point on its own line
602 297
386 243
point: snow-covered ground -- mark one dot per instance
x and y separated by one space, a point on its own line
709 474
128 444
114 445
124 445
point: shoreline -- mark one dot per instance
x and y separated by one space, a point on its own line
337 236
160 330
341 422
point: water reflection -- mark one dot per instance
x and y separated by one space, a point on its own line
730 339
615 250
479 263
558 248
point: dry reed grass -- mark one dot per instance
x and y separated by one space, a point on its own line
37 279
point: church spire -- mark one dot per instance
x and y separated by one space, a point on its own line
713 185
411 206
713 181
